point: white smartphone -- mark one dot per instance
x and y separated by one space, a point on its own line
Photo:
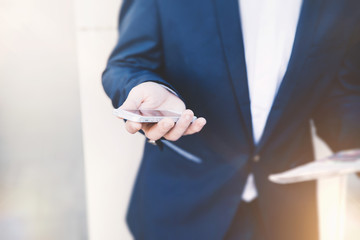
147 115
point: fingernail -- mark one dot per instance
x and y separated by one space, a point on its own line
202 122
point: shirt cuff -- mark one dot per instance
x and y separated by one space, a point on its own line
169 89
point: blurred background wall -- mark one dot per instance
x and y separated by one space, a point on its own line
112 155
41 152
67 166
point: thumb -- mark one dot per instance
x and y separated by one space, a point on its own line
132 102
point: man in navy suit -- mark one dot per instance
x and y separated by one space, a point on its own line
257 72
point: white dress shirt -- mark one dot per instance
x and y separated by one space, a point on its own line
268 28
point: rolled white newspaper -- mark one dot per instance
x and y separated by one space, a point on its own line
341 163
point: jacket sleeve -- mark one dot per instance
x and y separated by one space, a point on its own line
337 119
137 56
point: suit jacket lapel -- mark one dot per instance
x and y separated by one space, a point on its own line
303 41
228 18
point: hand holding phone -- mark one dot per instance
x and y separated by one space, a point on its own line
153 96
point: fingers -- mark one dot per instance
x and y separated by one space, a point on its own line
167 128
156 131
133 127
181 126
196 126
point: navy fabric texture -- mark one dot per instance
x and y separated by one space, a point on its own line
195 47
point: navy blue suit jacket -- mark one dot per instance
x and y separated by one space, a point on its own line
196 48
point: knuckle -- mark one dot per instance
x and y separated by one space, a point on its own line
131 131
181 125
131 128
179 131
189 111
165 128
128 128
189 115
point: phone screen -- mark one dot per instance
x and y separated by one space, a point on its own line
154 113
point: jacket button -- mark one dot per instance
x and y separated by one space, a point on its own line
152 142
256 158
